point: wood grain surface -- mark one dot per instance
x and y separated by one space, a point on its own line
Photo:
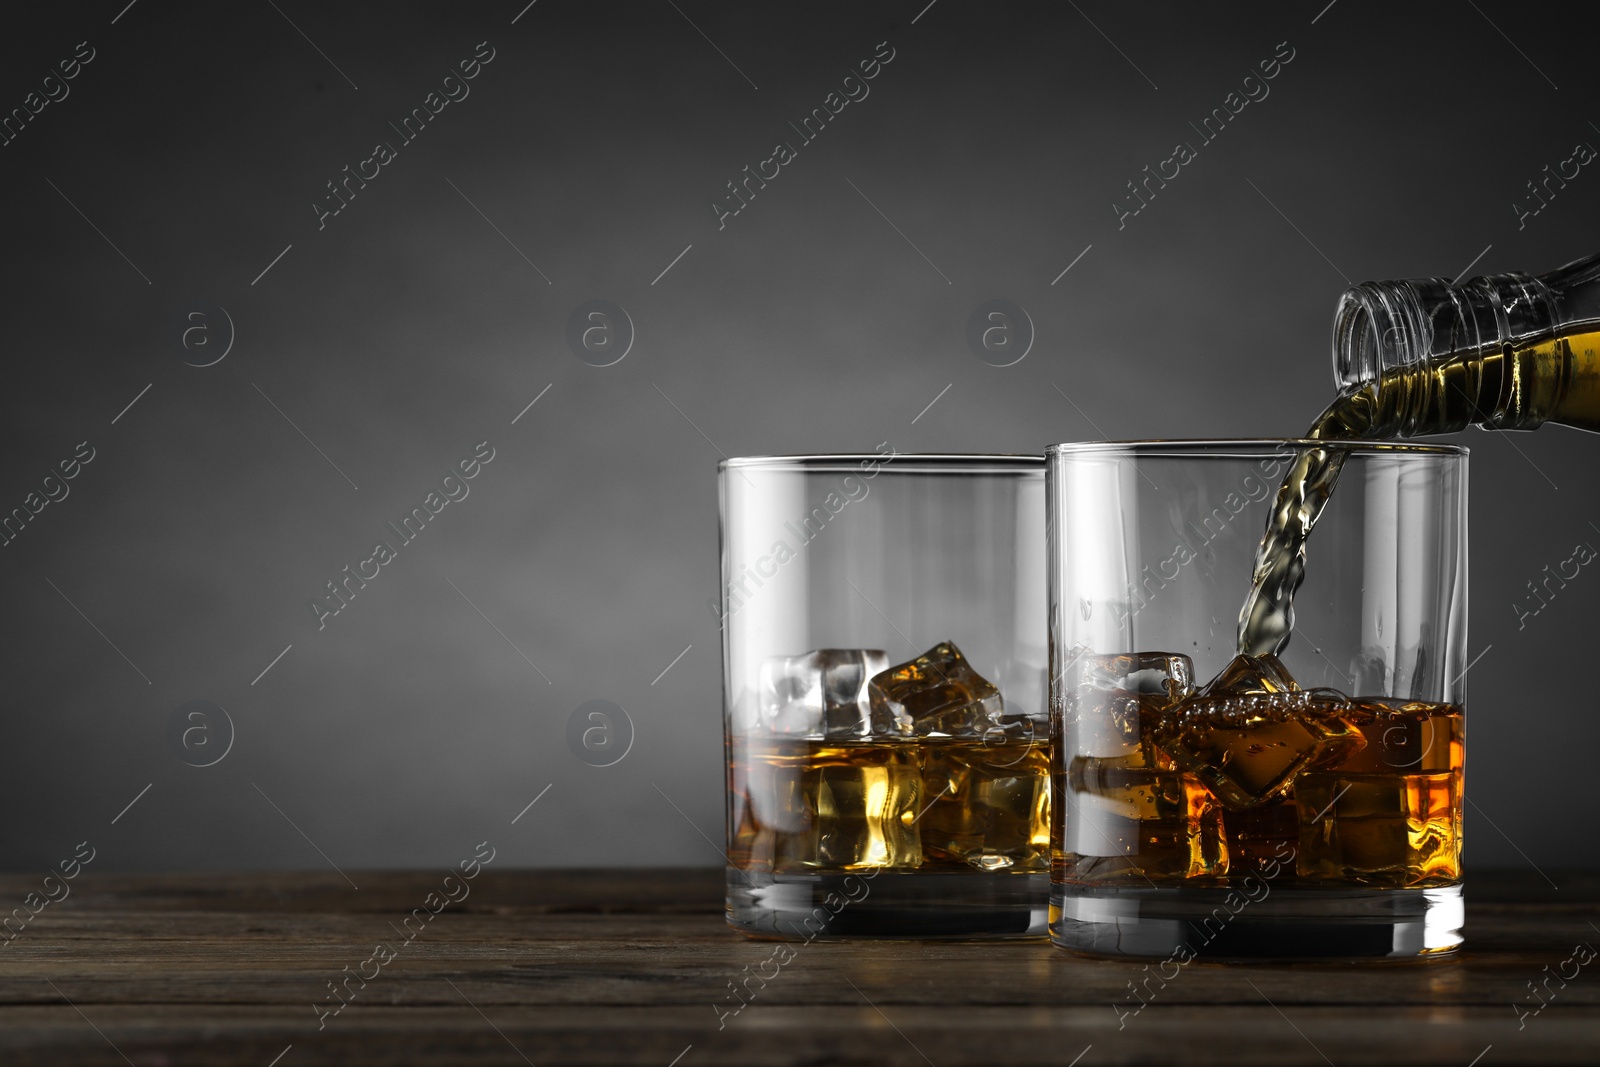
634 966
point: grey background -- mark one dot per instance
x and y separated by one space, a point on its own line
411 328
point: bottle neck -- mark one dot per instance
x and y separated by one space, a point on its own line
1436 357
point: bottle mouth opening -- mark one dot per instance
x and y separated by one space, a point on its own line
1357 344
1379 326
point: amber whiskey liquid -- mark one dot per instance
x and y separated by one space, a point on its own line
927 805
1382 811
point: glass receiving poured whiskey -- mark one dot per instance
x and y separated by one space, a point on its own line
1348 805
1220 790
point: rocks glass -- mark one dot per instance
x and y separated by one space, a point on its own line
1303 800
884 655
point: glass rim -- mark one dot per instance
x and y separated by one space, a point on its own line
1226 447
905 462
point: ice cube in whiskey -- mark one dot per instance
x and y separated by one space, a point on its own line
808 804
867 797
1390 815
1114 700
1130 813
1251 730
1149 824
987 802
938 693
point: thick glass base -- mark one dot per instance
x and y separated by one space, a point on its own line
1287 923
888 904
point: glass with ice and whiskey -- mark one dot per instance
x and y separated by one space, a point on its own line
1259 740
883 621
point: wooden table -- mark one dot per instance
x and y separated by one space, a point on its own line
630 967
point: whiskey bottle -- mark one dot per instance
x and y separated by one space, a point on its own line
1503 352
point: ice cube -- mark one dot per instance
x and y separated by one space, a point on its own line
1112 700
986 807
771 776
1261 836
1391 830
866 808
1138 672
936 694
1252 729
1402 736
822 693
952 827
1018 805
1144 824
804 804
1252 674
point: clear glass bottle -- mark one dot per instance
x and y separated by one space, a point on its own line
1504 352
